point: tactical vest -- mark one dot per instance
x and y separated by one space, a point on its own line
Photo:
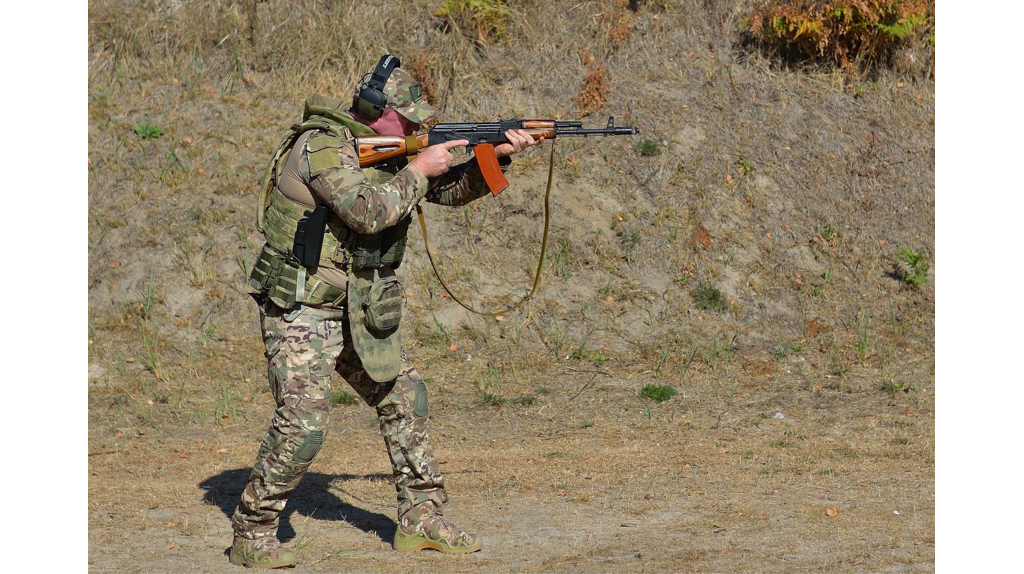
374 295
276 272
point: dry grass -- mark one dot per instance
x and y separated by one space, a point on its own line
790 192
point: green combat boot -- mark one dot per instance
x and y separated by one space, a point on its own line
424 526
264 552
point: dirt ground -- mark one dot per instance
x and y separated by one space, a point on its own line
711 481
802 437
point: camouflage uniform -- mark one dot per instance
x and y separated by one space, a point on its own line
305 344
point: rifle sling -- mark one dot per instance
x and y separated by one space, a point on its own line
540 263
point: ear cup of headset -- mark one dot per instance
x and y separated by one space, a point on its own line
370 102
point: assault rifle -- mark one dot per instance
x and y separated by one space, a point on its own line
482 139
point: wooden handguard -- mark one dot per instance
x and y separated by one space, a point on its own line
375 149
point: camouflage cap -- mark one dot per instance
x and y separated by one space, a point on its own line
406 97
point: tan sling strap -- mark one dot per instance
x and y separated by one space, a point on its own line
540 264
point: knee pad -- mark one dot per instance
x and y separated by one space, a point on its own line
310 447
420 405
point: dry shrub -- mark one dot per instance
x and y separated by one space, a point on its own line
482 21
844 32
701 237
619 23
594 91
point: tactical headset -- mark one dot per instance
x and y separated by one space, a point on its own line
370 102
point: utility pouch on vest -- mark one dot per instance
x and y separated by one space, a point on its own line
289 287
384 304
264 270
309 236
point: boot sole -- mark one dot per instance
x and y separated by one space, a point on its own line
419 541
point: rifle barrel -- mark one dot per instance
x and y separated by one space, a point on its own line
597 132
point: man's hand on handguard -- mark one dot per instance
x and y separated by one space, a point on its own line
437 159
518 141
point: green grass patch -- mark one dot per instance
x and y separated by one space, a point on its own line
658 393
707 296
341 397
647 148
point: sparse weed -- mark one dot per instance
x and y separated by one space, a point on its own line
893 387
525 401
492 400
147 131
837 369
914 270
490 379
862 334
561 255
827 233
780 353
745 165
148 298
225 405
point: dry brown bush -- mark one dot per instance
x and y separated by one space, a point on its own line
619 23
594 92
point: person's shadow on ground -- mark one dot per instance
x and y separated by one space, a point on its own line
311 498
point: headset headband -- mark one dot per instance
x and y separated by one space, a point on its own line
382 72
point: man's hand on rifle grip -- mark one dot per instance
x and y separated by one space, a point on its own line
437 159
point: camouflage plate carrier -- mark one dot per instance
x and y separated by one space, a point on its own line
374 296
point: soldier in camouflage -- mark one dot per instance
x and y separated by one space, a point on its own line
342 315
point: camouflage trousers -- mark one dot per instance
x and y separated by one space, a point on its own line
303 349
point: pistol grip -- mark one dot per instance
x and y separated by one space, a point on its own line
488 162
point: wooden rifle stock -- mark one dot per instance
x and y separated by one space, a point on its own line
375 149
